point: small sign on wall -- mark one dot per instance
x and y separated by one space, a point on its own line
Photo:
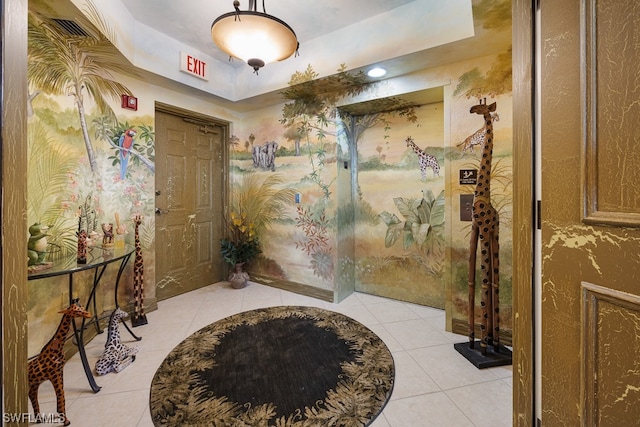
468 176
194 66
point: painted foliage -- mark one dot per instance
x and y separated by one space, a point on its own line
410 241
400 250
87 164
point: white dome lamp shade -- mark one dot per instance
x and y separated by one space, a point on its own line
254 37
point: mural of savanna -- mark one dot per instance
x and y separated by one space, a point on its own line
400 164
351 184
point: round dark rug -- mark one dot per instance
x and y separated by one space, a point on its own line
278 366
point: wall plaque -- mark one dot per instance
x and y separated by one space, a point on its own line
468 176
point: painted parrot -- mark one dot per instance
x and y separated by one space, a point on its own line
125 143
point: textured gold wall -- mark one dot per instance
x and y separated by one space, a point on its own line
13 158
590 229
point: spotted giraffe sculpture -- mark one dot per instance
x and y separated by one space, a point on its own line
425 159
485 226
476 138
139 318
49 364
116 356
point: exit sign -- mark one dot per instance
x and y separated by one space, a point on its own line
194 66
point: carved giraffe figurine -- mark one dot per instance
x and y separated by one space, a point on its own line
486 226
139 318
49 364
425 159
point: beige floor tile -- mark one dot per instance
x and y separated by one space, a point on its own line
416 333
116 409
448 368
357 312
393 311
425 361
411 379
428 410
488 404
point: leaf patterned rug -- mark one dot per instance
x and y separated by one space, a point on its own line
285 366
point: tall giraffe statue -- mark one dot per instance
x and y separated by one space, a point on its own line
485 225
425 159
49 364
139 318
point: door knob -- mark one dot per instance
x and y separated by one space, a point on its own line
158 211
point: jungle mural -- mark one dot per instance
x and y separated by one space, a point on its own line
403 164
87 165
312 127
338 159
400 250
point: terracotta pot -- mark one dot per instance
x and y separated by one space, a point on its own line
238 277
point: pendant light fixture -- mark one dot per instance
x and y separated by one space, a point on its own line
254 37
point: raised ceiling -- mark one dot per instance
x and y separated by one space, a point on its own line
404 36
190 21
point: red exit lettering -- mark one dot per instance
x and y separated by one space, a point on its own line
196 66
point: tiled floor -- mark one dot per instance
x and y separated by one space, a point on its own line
435 385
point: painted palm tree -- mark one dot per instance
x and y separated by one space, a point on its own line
77 66
261 201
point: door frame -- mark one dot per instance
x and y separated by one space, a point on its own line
524 212
13 207
204 119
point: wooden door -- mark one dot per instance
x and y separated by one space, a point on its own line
590 112
189 204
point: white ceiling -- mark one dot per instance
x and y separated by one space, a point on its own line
404 36
190 21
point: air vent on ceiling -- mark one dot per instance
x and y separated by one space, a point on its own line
71 27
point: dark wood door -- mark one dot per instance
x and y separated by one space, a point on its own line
189 204
590 212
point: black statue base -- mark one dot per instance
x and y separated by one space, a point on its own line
480 361
139 321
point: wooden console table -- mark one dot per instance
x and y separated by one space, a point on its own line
98 258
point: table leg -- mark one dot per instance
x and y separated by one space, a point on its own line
79 336
92 297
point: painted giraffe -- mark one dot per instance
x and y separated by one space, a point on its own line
139 318
49 364
116 356
485 225
477 138
425 159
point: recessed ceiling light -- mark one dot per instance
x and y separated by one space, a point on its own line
376 72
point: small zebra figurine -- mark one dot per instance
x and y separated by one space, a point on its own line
116 356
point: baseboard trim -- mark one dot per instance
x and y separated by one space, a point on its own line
298 288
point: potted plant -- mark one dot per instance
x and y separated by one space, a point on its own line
240 245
